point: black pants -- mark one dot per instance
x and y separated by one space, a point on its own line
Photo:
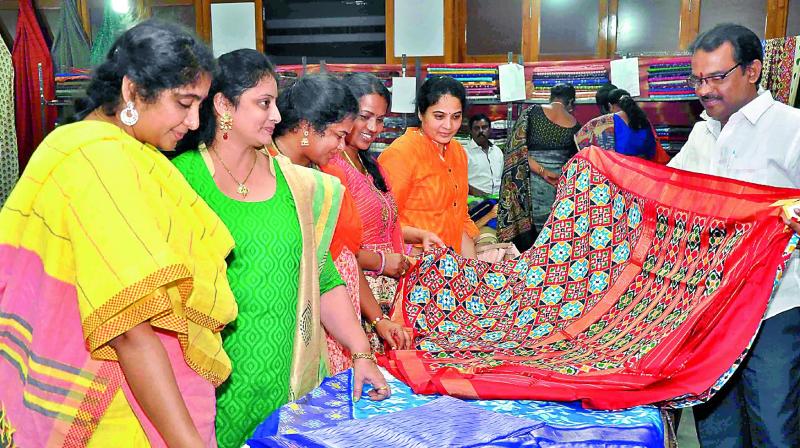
758 407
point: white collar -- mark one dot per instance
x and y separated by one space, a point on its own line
756 108
752 110
474 145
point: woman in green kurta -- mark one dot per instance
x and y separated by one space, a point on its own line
282 218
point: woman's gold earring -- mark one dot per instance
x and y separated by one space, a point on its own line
304 141
225 124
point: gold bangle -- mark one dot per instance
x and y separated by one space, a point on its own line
369 356
541 170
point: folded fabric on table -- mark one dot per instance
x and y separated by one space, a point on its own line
315 418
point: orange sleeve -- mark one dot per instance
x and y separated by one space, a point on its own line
469 225
348 230
398 166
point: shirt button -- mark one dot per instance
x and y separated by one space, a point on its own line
449 170
454 204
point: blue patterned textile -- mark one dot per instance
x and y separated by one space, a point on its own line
328 417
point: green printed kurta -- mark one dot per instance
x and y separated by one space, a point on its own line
263 272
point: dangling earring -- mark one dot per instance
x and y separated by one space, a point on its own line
225 124
304 140
129 116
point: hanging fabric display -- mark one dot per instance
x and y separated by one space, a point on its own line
30 50
646 285
71 46
9 163
114 24
779 61
795 82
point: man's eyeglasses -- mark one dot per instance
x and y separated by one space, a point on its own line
695 81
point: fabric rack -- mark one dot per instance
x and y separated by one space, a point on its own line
668 79
480 81
672 138
586 78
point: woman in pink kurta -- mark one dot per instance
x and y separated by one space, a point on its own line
382 254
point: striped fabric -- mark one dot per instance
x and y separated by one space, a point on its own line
101 234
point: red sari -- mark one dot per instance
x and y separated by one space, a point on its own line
30 50
647 285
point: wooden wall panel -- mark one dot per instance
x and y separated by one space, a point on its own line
777 14
451 26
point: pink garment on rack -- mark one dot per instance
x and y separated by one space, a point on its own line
30 50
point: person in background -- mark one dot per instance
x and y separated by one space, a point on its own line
485 159
281 216
485 171
382 252
427 169
540 144
601 98
747 135
625 130
105 288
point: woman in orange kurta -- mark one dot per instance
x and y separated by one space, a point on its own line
427 169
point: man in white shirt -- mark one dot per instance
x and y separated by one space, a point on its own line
746 135
485 159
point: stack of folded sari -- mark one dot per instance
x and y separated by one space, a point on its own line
586 78
499 133
668 79
480 80
672 138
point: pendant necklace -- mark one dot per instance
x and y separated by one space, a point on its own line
242 188
347 156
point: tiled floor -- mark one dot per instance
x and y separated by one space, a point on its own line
687 437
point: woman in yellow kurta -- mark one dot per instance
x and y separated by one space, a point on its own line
112 270
427 169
